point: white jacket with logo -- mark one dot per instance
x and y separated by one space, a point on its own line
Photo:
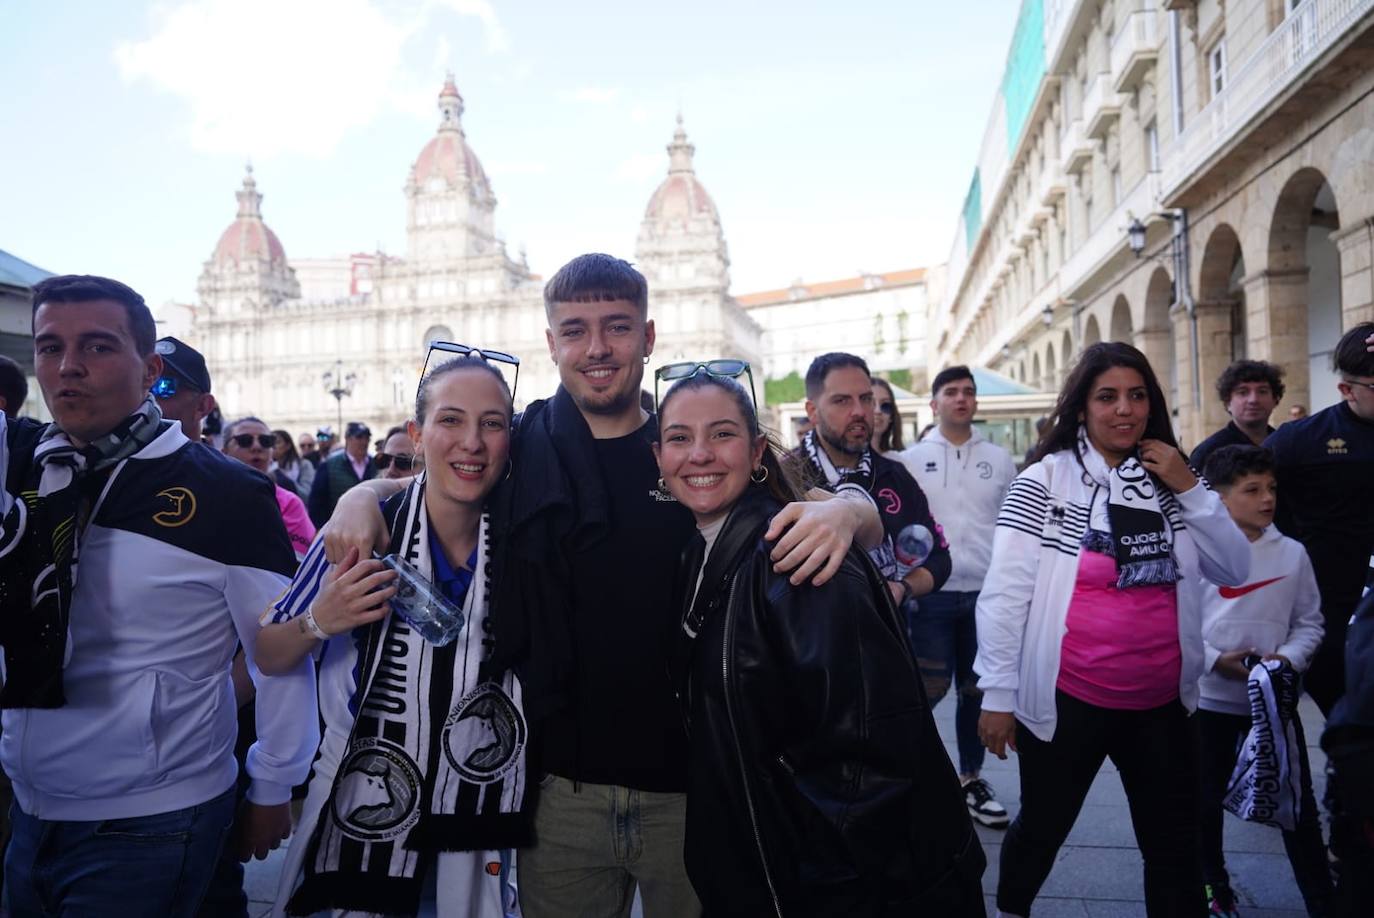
1277 611
965 485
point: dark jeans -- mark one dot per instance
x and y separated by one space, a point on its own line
1325 678
155 866
944 641
1221 733
1155 752
225 897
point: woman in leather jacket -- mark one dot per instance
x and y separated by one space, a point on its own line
817 782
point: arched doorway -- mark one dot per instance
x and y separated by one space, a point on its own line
1156 336
1092 334
1221 322
1121 321
1303 288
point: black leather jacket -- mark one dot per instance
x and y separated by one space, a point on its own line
818 784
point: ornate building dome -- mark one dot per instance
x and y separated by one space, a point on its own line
248 238
447 157
680 196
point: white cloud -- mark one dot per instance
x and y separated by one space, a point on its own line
641 167
267 77
517 168
592 95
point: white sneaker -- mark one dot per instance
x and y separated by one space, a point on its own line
983 805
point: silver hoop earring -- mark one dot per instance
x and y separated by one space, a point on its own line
661 485
510 467
646 361
756 478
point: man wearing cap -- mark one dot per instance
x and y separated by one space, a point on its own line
183 389
131 563
341 471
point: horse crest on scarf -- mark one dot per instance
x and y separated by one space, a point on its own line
435 761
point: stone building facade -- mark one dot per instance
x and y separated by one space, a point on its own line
273 329
1240 133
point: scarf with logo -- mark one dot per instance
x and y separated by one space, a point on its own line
40 538
1126 520
1266 785
435 761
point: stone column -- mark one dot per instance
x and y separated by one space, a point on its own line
1189 422
1356 245
1276 328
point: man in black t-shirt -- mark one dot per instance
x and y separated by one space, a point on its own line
1325 469
1250 390
586 549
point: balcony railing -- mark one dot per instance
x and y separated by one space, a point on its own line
1305 35
1134 50
1075 150
1101 106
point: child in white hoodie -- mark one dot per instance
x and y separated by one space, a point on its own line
1276 616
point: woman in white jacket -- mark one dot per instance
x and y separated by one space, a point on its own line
1089 629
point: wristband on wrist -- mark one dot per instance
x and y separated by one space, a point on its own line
314 627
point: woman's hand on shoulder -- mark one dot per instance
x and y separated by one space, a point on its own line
353 593
1168 465
357 524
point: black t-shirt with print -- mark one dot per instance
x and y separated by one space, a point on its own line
624 726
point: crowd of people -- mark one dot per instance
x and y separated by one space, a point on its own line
622 645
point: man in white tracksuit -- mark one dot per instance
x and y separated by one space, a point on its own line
965 478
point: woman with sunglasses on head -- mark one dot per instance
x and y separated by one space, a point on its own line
251 442
816 786
291 465
887 421
1090 631
420 779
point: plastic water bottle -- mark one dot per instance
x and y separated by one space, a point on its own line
421 605
914 544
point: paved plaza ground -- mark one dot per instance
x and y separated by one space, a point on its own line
1098 874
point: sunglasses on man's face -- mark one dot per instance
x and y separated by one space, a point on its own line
167 386
245 441
724 369
402 462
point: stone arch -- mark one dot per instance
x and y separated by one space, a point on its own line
1222 320
1051 369
1298 295
1120 323
1155 337
1066 351
1092 333
1036 378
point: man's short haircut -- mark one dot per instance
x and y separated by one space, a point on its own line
597 278
1230 464
14 386
232 425
83 288
1352 356
822 366
952 374
1250 371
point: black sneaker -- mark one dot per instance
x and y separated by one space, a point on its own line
983 805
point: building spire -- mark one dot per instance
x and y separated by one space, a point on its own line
450 106
250 202
680 151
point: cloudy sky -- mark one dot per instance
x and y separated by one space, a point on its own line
834 136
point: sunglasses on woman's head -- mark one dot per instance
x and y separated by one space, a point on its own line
244 441
463 350
402 462
724 368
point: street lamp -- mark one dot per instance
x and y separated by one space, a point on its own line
1135 235
1047 314
339 385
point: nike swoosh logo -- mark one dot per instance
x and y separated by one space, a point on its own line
1236 592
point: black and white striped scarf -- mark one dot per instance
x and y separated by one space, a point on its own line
830 475
1126 520
41 534
436 758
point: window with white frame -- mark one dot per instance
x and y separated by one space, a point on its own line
1152 146
1216 67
